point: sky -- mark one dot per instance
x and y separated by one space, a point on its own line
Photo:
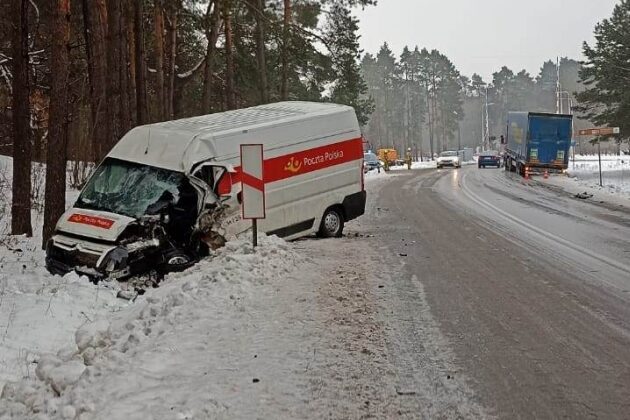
481 36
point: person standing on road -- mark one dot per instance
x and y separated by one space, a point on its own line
408 158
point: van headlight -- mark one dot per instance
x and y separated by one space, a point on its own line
115 260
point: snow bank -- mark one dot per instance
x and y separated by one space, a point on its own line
416 165
38 312
584 175
173 353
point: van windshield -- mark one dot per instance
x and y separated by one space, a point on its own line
130 189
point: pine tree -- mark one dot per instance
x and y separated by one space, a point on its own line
606 73
21 205
343 41
56 156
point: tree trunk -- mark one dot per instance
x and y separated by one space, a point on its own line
123 70
286 44
114 117
230 96
95 28
21 204
257 8
159 59
213 35
140 71
130 24
171 61
55 196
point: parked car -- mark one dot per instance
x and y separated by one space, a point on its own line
490 158
449 158
370 162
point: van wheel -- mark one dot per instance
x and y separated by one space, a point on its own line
332 224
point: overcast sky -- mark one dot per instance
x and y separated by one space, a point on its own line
480 36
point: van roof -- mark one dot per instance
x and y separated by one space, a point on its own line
179 144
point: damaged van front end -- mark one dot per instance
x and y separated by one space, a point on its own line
135 220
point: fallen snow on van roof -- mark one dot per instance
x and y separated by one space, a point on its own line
179 144
248 117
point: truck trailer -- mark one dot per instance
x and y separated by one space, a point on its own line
538 142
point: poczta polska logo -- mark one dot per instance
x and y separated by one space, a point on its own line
295 165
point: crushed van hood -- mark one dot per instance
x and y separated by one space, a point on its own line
93 224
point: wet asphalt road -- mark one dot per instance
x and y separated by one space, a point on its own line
530 287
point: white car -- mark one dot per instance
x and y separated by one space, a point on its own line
449 158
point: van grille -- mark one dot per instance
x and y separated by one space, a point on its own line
74 258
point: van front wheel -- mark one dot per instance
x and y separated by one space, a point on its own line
332 224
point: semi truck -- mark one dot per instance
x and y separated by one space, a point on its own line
538 142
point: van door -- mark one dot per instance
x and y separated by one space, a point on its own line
221 193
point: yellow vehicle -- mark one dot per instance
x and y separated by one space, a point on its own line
389 156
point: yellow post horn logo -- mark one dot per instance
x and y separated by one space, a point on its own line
293 166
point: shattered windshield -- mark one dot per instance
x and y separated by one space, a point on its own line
129 189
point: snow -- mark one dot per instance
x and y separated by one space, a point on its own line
416 165
289 330
193 347
583 175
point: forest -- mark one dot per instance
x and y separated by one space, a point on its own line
75 75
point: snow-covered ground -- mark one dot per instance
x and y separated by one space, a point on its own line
223 339
219 340
289 330
416 165
583 174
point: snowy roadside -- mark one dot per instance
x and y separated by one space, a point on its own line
583 176
293 330
228 338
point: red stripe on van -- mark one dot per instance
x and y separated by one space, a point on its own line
305 161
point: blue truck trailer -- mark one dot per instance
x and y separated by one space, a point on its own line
538 142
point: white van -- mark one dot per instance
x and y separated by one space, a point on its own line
167 193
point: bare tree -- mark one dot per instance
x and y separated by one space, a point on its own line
158 21
286 44
21 205
171 50
140 70
230 95
212 34
55 198
257 8
130 25
114 111
123 71
95 27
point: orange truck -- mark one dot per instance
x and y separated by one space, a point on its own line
388 155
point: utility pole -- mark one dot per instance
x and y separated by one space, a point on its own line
558 101
487 135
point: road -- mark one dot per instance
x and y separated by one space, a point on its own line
517 292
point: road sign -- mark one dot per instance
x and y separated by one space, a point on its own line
606 131
252 181
253 186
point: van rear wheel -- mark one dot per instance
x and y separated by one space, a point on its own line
332 224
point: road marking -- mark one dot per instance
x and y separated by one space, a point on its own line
548 236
